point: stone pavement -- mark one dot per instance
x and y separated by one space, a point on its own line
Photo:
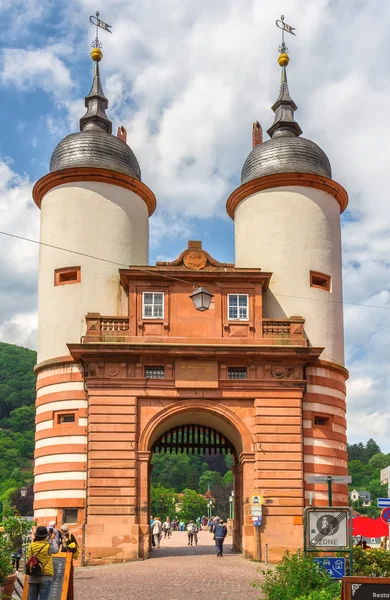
175 571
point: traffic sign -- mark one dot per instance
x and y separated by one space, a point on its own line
256 511
257 521
256 500
334 566
383 502
326 478
385 515
327 527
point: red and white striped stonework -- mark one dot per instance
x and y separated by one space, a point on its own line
60 448
325 446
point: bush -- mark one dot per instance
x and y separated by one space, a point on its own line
371 563
298 577
326 594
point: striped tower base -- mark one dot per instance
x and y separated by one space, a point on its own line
60 445
324 431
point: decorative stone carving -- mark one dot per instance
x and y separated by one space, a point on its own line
111 370
195 260
281 372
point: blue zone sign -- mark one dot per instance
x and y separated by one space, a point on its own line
334 566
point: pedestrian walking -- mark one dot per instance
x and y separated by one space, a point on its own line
182 525
151 522
192 533
166 527
157 531
220 532
39 559
68 542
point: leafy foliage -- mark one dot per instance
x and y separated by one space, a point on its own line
162 501
365 464
371 563
17 415
297 577
193 506
12 531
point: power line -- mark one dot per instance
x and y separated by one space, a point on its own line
25 239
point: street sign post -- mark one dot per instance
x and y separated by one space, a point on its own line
328 528
334 566
257 521
329 479
385 515
383 502
256 500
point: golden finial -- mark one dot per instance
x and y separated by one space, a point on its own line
96 54
283 59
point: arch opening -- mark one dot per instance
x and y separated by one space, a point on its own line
193 439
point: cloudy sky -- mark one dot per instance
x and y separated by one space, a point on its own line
187 78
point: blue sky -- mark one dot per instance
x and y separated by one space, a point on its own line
187 79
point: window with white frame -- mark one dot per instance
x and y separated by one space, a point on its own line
153 305
238 307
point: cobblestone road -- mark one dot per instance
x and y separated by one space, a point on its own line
174 572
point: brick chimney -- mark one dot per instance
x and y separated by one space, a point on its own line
122 133
257 134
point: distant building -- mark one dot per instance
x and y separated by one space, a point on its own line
364 498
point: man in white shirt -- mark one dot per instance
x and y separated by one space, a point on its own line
157 530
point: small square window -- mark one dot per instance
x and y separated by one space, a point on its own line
237 373
321 421
154 372
238 307
70 515
67 275
153 305
320 280
66 418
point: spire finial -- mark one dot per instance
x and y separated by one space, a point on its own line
284 123
96 103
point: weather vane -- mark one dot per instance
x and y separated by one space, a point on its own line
96 21
284 27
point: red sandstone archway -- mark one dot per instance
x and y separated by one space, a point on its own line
196 412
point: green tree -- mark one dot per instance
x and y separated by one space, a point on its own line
177 471
193 506
380 460
209 479
162 501
372 448
22 419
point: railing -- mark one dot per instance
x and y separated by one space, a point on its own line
100 328
286 328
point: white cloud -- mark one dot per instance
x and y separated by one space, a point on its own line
32 69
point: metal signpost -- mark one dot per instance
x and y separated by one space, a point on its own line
329 529
329 479
256 501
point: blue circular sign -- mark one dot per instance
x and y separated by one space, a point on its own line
385 515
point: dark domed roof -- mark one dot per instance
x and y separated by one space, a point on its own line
285 155
95 148
286 151
94 145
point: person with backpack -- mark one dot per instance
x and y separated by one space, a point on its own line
68 542
39 564
220 532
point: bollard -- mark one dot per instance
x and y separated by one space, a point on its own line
266 554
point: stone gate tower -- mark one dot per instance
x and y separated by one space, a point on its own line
127 366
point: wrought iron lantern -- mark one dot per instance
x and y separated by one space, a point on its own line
201 298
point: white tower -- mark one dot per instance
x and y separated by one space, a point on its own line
94 220
93 204
287 220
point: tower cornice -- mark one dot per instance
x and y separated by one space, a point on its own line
56 178
287 179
